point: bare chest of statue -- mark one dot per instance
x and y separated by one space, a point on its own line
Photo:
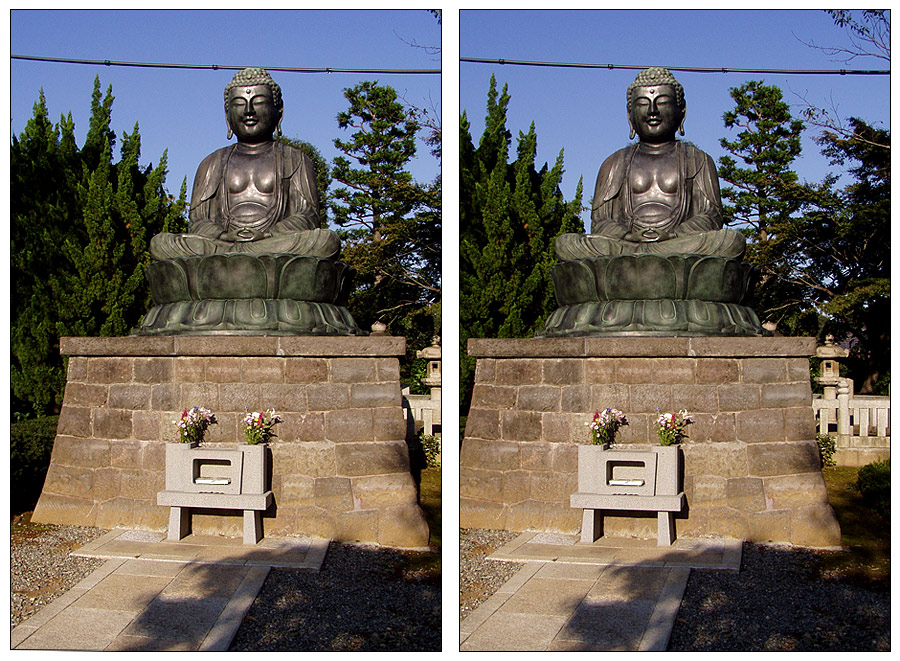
654 183
250 185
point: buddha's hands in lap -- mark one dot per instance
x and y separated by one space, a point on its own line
243 234
649 236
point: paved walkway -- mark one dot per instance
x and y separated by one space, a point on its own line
156 595
614 594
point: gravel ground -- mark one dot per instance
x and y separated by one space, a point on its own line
480 578
375 599
40 566
781 600
364 599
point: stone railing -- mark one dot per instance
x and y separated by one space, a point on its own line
860 425
425 410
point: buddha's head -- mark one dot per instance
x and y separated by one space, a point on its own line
656 106
253 106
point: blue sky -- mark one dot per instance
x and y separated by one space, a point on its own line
583 110
183 110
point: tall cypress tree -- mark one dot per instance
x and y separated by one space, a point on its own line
43 162
81 227
510 216
851 253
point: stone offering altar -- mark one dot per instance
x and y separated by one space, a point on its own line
640 480
657 261
255 259
216 478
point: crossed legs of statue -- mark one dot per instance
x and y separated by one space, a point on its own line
312 243
723 243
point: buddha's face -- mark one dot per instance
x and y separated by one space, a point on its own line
655 115
252 114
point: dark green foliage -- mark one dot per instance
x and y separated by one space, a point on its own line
849 254
417 371
81 227
31 442
431 445
769 143
764 198
822 253
826 449
510 216
390 225
874 483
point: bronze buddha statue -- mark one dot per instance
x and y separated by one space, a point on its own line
657 196
258 195
657 260
255 260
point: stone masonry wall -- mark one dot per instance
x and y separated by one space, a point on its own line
340 464
751 464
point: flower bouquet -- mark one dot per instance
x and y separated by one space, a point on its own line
670 427
194 423
605 425
258 426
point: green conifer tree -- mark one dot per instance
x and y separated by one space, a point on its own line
765 196
510 216
823 253
390 224
81 228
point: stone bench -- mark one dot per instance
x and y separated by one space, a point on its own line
215 478
593 505
181 504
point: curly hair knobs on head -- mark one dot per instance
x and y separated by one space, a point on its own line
656 76
254 76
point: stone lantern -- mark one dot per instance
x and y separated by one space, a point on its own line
433 369
830 370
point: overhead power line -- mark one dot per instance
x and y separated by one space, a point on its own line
575 65
216 67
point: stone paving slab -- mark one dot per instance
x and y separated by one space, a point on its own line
156 595
717 553
612 595
281 552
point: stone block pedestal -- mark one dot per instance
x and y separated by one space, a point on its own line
340 464
751 464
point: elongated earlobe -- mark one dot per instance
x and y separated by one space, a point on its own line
681 128
278 129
